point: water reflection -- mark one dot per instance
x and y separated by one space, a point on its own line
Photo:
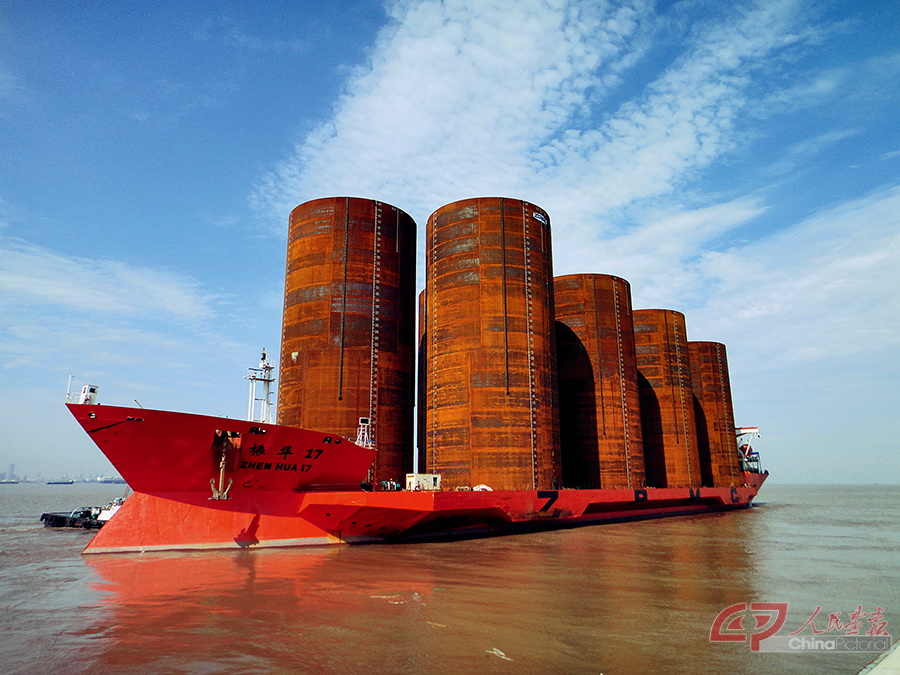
610 599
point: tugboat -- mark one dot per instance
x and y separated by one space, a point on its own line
84 517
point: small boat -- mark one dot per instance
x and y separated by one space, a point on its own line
84 517
61 481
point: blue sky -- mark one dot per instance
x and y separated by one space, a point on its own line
739 162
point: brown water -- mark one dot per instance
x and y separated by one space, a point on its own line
623 598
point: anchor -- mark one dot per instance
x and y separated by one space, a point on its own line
222 491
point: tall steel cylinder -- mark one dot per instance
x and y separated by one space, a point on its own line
491 408
671 455
714 413
599 406
348 331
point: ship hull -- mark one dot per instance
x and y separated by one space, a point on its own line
189 520
178 506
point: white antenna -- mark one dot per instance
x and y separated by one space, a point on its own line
263 374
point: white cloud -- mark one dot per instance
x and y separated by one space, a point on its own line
101 315
239 38
800 154
509 100
31 276
825 288
684 120
806 89
231 33
458 102
656 254
112 324
811 318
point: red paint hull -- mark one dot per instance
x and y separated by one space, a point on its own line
167 459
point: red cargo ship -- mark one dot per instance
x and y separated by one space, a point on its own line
215 483
491 399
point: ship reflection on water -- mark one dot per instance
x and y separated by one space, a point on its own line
604 599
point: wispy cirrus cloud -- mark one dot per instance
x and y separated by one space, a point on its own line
225 30
456 101
679 124
657 253
33 276
239 38
825 287
511 100
110 321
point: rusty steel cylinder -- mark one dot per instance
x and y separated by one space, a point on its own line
491 410
599 405
714 413
348 330
671 456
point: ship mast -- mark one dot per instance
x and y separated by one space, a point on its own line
263 375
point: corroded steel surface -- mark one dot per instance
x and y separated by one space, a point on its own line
491 409
599 406
667 408
348 332
715 414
